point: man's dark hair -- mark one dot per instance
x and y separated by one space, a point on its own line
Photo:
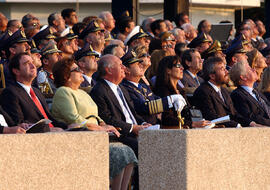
26 19
67 12
179 49
163 78
209 67
15 63
51 18
109 49
156 25
200 26
78 27
179 17
11 23
123 23
187 57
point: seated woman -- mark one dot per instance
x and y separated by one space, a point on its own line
264 85
73 105
257 62
169 72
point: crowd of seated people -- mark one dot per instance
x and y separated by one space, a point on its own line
107 74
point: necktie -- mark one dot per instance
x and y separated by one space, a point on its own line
197 80
220 95
120 93
262 102
38 104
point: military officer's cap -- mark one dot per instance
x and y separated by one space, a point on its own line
93 26
136 33
50 48
87 50
130 57
237 46
3 39
34 48
201 38
45 34
16 37
68 33
166 36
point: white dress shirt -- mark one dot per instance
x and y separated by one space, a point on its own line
124 109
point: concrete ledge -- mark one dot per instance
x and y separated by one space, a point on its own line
74 160
205 159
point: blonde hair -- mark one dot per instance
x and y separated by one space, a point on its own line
264 85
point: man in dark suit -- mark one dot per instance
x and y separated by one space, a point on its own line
192 63
114 104
212 99
146 103
87 61
21 101
249 102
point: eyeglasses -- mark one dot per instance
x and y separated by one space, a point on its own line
144 55
77 69
167 46
177 65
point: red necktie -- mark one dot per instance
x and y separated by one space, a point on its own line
39 106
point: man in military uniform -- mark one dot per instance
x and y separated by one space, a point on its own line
146 104
87 61
43 37
236 52
14 44
214 50
94 35
200 43
45 80
137 37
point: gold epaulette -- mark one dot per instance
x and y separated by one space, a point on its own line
2 76
155 106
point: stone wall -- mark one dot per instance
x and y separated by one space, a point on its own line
205 159
74 160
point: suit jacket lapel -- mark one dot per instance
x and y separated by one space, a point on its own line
216 95
252 99
191 81
112 96
27 98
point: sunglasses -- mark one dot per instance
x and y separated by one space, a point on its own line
77 69
177 65
144 55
